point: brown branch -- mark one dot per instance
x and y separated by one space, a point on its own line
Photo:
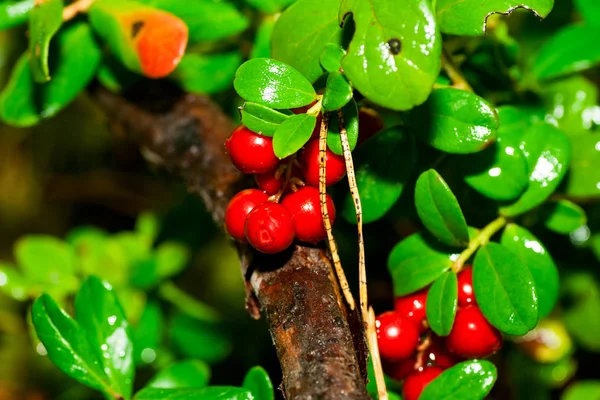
320 344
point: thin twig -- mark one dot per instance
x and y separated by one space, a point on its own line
482 238
455 75
374 347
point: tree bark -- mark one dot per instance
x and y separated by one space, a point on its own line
320 344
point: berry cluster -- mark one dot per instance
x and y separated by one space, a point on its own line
410 352
287 204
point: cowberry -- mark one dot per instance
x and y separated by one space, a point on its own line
438 356
399 370
269 182
238 209
472 336
466 295
412 307
305 205
309 159
251 153
270 228
397 336
416 382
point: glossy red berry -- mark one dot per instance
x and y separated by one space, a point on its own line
397 336
270 228
251 153
238 209
309 159
305 205
412 307
399 370
466 295
416 382
472 336
438 356
268 182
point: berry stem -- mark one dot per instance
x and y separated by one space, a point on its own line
372 340
421 351
454 73
287 169
482 238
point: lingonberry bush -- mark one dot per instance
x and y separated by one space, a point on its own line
456 139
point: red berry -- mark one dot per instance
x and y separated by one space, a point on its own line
466 295
251 153
268 183
309 159
472 336
412 307
399 370
397 336
238 209
438 356
416 382
305 205
369 124
270 228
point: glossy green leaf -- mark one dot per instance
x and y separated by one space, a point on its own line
548 153
208 393
101 318
417 261
584 172
534 255
270 6
201 339
315 25
469 17
258 382
505 290
331 58
262 38
44 21
334 141
439 210
17 101
582 390
207 74
468 380
273 83
442 300
394 56
261 119
147 333
589 10
184 374
383 166
455 121
292 134
571 49
338 92
563 216
13 13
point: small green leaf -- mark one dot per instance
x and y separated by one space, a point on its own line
505 290
442 300
184 374
206 74
439 210
383 166
584 172
292 134
469 17
563 216
201 339
17 101
270 6
171 258
571 49
13 13
261 119
468 380
258 382
262 38
315 25
147 225
208 393
338 92
589 10
582 390
548 153
273 83
44 21
455 121
331 58
582 317
13 283
147 334
392 64
334 141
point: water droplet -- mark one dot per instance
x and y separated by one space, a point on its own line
148 355
112 319
41 350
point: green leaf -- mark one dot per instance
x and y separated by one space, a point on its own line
394 56
455 121
44 21
13 283
584 172
270 6
338 92
439 210
201 339
582 390
273 83
582 317
184 374
292 134
534 255
334 141
442 300
172 258
262 38
206 74
147 333
261 119
147 225
468 380
102 319
331 58
13 13
17 102
383 166
417 261
208 393
469 17
315 25
571 49
563 216
548 153
258 382
505 290
114 76
589 10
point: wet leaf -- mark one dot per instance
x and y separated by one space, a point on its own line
184 374
331 58
261 119
147 334
208 393
350 114
45 19
258 382
338 92
442 300
584 172
563 216
13 13
468 380
292 134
